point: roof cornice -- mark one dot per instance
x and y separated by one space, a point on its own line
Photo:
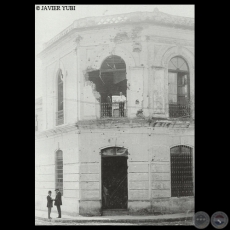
156 17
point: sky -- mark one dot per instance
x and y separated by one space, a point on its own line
48 23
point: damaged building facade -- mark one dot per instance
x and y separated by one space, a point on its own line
116 118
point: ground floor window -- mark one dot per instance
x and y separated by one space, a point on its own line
181 171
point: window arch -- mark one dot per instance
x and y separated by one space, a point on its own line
178 87
178 63
111 84
60 101
114 151
113 77
181 171
113 62
59 170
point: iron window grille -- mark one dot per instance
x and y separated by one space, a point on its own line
181 171
59 171
114 109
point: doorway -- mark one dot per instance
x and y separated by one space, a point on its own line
114 182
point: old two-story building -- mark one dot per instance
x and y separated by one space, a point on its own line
116 118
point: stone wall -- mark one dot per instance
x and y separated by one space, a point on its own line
38 115
146 50
149 179
45 149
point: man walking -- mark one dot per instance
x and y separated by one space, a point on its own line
58 202
49 204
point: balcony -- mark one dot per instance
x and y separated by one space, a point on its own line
114 109
59 118
179 110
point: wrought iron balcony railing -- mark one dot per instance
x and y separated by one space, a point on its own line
60 117
179 110
114 109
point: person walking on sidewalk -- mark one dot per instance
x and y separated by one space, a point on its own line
49 203
58 202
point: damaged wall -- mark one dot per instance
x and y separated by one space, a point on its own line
148 168
146 50
149 179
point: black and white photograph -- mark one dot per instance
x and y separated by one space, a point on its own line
114 115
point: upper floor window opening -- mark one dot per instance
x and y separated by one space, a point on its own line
111 83
59 114
178 88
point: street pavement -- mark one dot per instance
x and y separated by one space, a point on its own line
48 223
166 219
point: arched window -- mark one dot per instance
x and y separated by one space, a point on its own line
59 170
60 114
178 88
111 83
181 171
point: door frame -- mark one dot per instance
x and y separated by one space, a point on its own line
100 183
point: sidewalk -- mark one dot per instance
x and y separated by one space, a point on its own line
42 215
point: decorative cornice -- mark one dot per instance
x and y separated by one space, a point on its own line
55 131
168 40
155 17
120 37
171 124
114 123
137 47
78 39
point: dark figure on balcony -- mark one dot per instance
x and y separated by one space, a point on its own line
109 105
122 100
105 196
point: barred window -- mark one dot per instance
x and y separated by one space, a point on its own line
181 171
59 171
